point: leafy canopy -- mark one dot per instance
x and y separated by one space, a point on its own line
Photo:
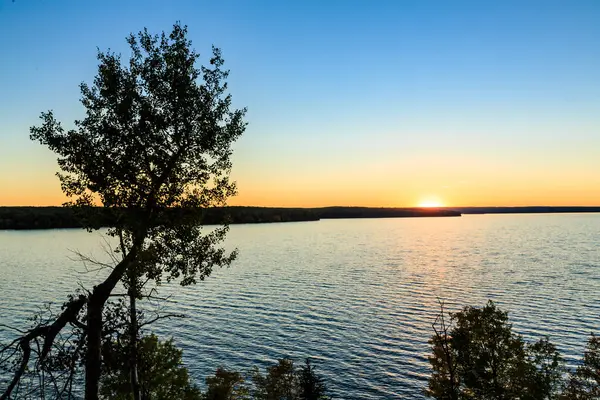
478 356
584 382
155 141
162 374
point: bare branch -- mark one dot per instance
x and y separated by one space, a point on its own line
109 250
26 353
165 316
69 381
12 327
85 259
78 324
49 333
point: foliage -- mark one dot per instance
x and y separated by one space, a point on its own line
478 356
153 138
311 385
61 217
156 136
584 383
278 383
162 374
226 385
284 382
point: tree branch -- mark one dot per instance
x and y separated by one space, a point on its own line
48 332
165 316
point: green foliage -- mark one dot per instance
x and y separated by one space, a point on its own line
226 385
547 374
311 385
284 382
479 357
279 382
157 135
584 383
162 375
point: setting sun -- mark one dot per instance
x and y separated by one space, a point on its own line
430 203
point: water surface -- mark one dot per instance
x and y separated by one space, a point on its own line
357 296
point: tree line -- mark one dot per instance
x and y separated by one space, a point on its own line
27 218
21 218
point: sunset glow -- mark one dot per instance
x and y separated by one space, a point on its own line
466 114
430 204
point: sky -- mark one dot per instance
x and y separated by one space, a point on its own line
369 103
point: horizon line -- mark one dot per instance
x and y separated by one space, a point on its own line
354 206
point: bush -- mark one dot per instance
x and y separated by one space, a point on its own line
162 376
478 356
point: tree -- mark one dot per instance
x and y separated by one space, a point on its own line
312 386
226 385
284 382
478 356
584 383
162 375
280 382
156 137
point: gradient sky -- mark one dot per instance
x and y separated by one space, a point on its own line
375 103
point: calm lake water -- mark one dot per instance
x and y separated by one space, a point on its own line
357 296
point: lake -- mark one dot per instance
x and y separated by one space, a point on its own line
357 296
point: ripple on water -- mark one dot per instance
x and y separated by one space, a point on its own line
357 296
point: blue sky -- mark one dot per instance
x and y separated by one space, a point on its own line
349 102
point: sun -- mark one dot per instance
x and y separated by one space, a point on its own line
430 203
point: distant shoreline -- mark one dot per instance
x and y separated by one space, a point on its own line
30 218
527 210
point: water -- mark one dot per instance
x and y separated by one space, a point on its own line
357 296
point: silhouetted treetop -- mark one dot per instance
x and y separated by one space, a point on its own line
156 137
156 133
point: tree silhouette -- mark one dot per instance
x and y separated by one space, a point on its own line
156 136
477 356
162 374
584 382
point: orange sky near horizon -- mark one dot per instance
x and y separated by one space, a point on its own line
387 104
42 188
551 197
374 176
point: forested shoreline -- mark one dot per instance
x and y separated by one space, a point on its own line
23 218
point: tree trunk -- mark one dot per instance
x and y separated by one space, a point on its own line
99 296
94 350
133 338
